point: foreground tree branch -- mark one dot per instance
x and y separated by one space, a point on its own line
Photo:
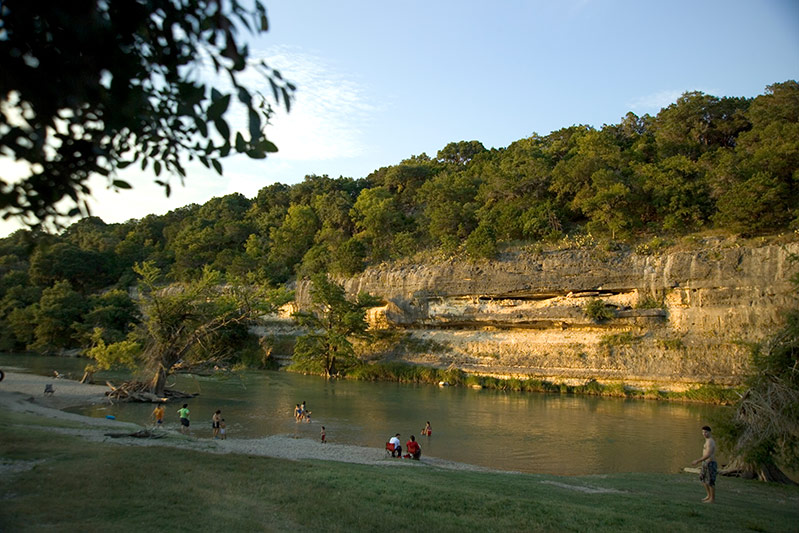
89 87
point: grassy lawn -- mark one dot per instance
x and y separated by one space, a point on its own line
63 483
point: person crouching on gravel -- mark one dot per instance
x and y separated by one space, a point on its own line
413 448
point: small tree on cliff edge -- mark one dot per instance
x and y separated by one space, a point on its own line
332 321
762 431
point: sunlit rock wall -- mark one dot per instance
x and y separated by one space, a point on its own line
680 319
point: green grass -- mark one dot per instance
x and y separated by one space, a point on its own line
83 486
404 373
618 339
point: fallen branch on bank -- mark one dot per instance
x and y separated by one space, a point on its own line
141 434
139 391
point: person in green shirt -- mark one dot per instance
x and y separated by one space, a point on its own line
183 413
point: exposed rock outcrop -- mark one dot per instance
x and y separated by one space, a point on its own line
678 319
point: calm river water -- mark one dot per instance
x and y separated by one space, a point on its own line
527 432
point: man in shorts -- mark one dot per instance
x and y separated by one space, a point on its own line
216 420
707 474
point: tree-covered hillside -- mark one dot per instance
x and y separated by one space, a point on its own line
703 162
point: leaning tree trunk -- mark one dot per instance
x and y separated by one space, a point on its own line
762 472
330 371
158 382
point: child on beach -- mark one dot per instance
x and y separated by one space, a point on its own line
222 429
323 435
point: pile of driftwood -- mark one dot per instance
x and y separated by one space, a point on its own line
141 434
139 391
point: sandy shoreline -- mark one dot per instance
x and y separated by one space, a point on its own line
22 392
68 393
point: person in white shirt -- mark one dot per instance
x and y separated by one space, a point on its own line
397 451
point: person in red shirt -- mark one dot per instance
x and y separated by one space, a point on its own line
413 448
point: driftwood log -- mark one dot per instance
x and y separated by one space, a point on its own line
139 391
141 434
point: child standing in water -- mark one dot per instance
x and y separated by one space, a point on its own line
215 420
222 429
427 430
158 414
323 435
183 414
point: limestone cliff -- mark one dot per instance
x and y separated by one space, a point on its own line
678 319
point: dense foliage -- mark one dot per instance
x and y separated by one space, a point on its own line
89 87
703 162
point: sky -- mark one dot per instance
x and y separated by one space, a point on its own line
380 82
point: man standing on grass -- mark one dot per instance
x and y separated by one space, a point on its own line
709 466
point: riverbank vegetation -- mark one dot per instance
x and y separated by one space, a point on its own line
406 373
46 477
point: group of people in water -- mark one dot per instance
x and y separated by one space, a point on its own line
218 426
302 413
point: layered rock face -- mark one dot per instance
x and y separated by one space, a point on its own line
676 320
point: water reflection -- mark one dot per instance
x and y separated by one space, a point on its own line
526 432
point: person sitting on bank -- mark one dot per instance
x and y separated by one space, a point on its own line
397 451
413 448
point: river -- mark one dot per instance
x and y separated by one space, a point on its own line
517 431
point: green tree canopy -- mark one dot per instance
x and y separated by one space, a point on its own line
292 240
378 218
85 269
460 153
58 312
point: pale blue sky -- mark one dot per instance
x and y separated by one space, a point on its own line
380 82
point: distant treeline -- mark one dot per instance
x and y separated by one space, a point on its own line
703 162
